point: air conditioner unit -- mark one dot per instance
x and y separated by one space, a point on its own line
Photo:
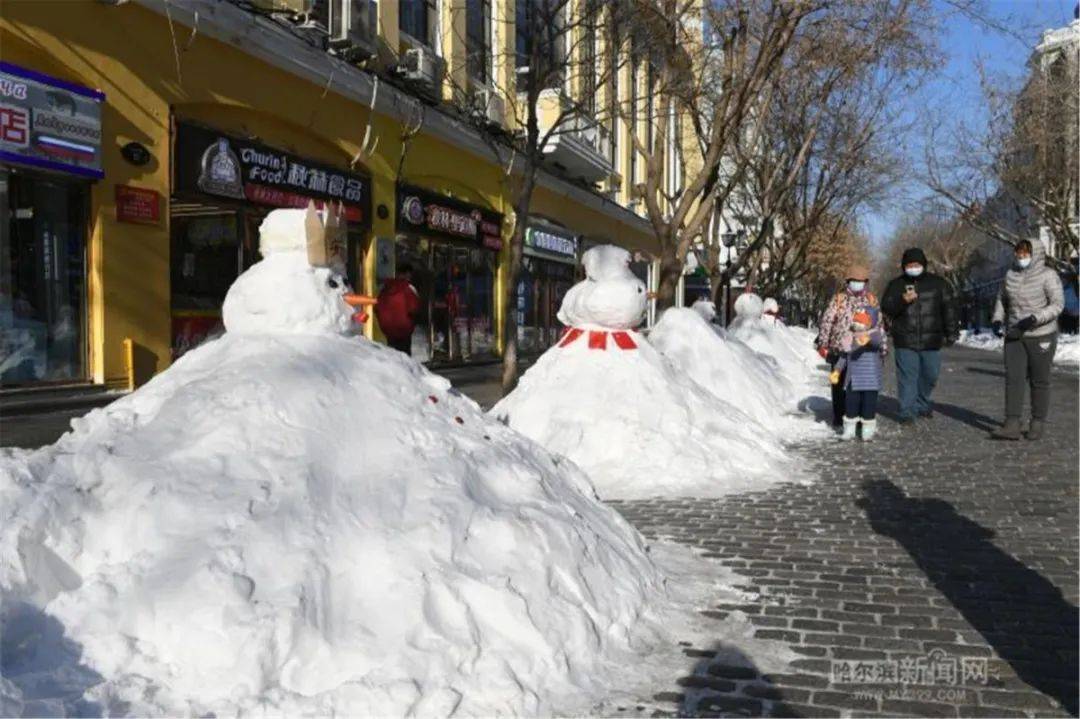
350 26
421 66
295 8
489 107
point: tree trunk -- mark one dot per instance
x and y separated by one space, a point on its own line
517 245
670 272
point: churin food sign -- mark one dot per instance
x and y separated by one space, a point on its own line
211 162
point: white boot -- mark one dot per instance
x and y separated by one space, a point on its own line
850 425
869 429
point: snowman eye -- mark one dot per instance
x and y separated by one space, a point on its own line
639 290
332 282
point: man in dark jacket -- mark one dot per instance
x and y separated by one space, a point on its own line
396 311
922 318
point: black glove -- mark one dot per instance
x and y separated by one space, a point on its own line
998 328
1025 324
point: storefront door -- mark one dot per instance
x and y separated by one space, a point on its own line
43 220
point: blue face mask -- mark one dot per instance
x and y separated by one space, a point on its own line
913 271
856 286
1023 262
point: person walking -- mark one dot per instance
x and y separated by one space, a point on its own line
921 310
1026 312
397 308
835 323
860 363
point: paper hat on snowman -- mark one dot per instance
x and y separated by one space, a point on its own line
320 235
326 241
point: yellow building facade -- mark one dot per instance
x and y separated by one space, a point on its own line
210 116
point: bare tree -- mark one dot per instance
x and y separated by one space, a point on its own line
711 89
951 245
832 249
553 80
832 129
1021 169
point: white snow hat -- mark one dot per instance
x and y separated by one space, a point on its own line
749 306
611 296
283 231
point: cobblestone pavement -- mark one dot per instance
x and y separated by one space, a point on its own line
932 546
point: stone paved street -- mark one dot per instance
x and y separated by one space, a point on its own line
931 538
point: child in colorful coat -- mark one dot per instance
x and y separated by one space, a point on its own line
863 347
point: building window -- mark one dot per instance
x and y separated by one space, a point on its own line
42 278
417 19
633 113
538 32
589 55
478 39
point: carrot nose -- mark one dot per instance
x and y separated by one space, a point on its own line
355 300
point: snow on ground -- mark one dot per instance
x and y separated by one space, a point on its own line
637 426
1068 347
755 382
312 523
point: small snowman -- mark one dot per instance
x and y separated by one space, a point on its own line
299 286
634 423
610 302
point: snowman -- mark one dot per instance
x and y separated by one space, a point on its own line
299 286
609 303
763 332
608 400
295 521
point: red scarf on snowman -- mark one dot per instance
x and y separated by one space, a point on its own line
598 338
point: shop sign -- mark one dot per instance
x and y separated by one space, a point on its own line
428 213
546 240
137 204
49 123
214 163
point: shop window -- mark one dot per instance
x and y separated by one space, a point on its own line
418 19
457 297
207 257
478 39
42 279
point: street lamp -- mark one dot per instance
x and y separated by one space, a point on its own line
730 240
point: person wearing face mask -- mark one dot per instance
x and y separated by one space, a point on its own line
1026 313
834 324
922 319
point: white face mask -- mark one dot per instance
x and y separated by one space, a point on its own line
913 271
856 285
1023 262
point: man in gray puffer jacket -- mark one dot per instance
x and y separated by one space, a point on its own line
1027 309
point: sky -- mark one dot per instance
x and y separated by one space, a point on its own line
954 92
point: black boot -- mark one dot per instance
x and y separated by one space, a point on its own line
1036 430
1010 430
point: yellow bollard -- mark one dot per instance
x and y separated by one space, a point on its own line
129 358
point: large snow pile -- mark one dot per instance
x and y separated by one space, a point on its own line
605 398
798 360
313 524
1068 347
731 370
